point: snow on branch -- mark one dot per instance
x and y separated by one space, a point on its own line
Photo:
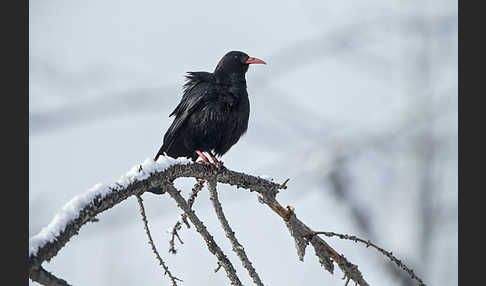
158 177
84 207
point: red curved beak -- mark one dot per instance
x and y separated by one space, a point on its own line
252 60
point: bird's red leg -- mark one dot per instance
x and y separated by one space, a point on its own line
205 159
216 161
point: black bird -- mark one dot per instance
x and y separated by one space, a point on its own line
213 112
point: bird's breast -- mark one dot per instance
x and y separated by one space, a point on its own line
220 123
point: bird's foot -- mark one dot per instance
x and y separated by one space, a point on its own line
217 163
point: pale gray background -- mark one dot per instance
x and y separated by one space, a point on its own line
357 106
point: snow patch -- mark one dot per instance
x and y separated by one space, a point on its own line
70 210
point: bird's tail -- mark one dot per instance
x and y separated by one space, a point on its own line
162 151
175 150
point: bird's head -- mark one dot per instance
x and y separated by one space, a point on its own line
235 63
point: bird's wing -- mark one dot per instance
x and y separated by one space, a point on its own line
197 90
196 87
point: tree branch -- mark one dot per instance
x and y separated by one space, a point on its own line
177 226
237 247
158 178
368 243
152 244
212 246
44 277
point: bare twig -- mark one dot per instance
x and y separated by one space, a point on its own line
237 247
151 242
339 181
175 234
368 243
195 190
177 226
302 233
212 246
217 268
